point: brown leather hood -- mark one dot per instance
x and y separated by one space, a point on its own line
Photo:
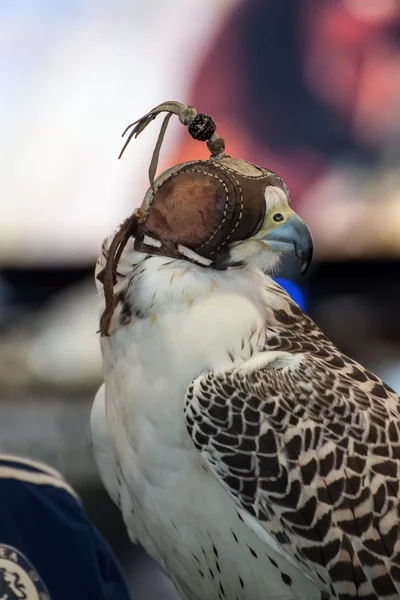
194 210
203 205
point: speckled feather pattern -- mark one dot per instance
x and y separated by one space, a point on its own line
249 456
312 451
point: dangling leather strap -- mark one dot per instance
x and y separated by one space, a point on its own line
201 127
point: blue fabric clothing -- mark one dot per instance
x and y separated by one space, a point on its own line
49 550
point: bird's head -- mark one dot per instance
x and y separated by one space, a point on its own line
219 214
222 214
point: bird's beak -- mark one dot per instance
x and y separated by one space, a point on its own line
292 237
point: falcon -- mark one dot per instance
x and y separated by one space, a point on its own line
248 455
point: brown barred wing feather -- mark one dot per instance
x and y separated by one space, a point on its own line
313 456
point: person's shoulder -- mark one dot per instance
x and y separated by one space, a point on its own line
32 474
38 509
45 536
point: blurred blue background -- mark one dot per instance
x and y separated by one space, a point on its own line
308 89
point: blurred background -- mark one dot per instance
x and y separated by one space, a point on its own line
309 89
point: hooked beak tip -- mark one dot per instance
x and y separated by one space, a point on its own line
293 237
305 261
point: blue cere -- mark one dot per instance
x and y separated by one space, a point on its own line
293 290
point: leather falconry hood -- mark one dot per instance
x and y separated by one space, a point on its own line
194 210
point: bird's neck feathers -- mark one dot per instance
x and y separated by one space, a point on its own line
149 285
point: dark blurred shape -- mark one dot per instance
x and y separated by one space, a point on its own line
46 537
312 91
